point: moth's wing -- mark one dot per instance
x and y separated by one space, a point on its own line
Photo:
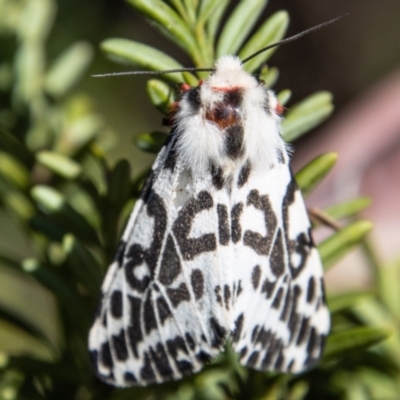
157 320
280 319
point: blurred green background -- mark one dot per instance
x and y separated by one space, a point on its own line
65 193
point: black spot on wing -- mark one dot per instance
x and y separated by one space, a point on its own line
218 333
227 296
197 281
170 161
287 303
280 360
105 354
190 341
223 225
255 276
311 290
130 378
217 291
203 357
161 361
150 321
242 352
116 304
178 295
147 189
119 344
244 174
163 309
189 247
233 142
254 333
278 298
137 256
236 333
303 331
261 244
147 372
174 346
119 256
268 287
253 358
236 229
170 265
277 258
275 347
134 329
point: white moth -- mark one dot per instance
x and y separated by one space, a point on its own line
218 247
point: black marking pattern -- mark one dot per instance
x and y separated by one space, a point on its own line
155 275
182 225
260 244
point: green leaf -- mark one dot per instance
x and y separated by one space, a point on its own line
9 144
389 278
83 264
207 9
169 23
340 243
78 134
146 57
161 95
68 298
62 215
349 208
238 26
344 301
19 204
59 164
150 142
14 171
315 171
306 115
17 320
215 18
284 96
340 343
271 31
269 76
68 69
119 184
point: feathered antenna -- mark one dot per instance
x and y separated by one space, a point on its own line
195 69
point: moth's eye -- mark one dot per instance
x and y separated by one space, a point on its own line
279 109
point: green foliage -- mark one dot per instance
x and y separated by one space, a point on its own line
69 206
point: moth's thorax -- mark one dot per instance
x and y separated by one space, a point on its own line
228 120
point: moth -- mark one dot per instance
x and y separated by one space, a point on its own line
218 247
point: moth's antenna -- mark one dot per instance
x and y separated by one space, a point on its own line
295 37
194 69
167 71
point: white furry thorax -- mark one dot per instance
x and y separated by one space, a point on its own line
202 142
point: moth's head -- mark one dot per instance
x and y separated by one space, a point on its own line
228 95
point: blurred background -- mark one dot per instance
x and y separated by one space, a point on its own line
356 59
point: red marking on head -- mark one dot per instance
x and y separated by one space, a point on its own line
279 109
184 87
225 89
